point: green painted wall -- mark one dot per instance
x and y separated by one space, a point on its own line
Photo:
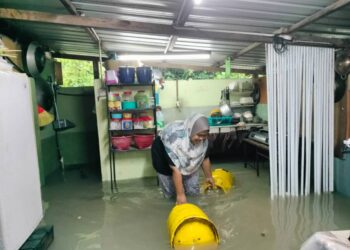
261 111
79 145
48 159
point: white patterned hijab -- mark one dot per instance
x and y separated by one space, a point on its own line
176 137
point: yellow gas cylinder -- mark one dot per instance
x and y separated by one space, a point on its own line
188 225
223 179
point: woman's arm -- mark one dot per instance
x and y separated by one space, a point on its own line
179 189
206 166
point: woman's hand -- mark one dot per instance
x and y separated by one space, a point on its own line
181 199
210 181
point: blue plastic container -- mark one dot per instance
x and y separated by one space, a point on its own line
144 75
127 75
117 116
128 105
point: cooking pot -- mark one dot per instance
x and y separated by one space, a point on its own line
225 110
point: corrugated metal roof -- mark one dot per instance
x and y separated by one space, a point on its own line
247 16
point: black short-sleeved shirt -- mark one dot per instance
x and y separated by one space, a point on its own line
160 158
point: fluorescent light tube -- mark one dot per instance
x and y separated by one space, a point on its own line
159 57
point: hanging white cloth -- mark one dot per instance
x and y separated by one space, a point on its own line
300 86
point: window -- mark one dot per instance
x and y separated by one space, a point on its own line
77 73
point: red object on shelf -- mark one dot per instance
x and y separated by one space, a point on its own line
121 142
143 141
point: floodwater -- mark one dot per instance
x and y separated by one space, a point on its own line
86 217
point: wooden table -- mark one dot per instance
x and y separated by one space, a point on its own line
261 150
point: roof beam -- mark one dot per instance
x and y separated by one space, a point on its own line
292 28
181 18
71 9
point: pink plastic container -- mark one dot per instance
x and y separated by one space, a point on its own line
121 142
143 141
111 77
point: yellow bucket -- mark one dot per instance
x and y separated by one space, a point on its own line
223 179
188 225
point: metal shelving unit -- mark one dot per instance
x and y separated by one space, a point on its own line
113 151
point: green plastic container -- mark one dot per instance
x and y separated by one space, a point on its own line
141 100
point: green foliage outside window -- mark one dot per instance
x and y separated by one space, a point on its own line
181 74
77 73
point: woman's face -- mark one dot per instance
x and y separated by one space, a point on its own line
200 137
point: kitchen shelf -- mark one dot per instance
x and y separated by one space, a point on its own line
242 105
131 110
131 149
130 85
134 131
112 133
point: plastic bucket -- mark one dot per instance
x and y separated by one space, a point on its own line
188 225
223 179
144 75
127 75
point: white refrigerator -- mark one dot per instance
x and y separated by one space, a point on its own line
20 195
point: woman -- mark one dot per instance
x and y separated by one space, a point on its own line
177 155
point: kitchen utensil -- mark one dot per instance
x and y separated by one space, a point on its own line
342 62
339 88
248 116
225 110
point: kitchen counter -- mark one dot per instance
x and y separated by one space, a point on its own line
232 128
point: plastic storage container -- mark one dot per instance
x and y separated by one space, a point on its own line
143 141
127 75
141 99
127 96
127 124
121 142
148 122
116 124
138 123
144 75
111 77
117 116
220 120
128 102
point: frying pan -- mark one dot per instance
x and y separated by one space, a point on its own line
339 87
33 57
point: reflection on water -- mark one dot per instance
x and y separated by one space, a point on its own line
198 247
295 219
135 218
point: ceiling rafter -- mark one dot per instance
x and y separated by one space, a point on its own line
302 23
181 18
72 10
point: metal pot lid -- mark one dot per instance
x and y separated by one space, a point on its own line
34 59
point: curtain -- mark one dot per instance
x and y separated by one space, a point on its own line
300 86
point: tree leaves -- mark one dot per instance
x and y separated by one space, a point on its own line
77 73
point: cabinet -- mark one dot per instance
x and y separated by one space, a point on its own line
131 121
